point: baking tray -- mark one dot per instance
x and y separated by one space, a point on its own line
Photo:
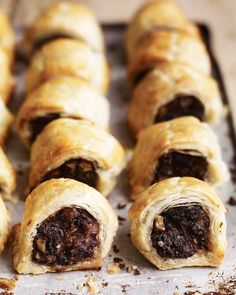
146 279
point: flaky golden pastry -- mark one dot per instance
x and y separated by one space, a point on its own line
7 36
64 19
180 147
7 177
194 93
4 224
6 82
44 202
68 57
61 96
65 140
154 15
167 46
6 120
149 212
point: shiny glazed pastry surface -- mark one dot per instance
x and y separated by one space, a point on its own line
180 147
61 96
66 226
64 19
76 149
68 57
179 222
173 90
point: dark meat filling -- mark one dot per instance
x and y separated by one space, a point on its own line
67 237
184 105
78 169
181 164
40 42
180 232
37 124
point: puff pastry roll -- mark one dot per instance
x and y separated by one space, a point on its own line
6 82
7 36
154 15
60 96
67 20
4 225
6 120
76 149
167 46
68 57
173 90
179 222
7 177
180 147
67 225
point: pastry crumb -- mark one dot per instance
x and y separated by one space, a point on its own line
113 268
60 278
133 269
92 286
8 284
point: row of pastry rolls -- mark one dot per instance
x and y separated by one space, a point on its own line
74 161
7 172
177 218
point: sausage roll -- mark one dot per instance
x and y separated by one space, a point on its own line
61 96
173 90
68 57
180 147
6 82
155 15
6 120
7 177
67 20
67 225
179 222
4 224
167 46
76 149
7 36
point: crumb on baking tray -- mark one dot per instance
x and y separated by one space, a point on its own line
121 206
115 249
92 285
133 269
232 201
8 284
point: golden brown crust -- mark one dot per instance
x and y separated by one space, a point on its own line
6 120
7 82
7 177
166 82
45 200
67 19
167 46
4 225
66 139
186 133
68 57
154 15
170 193
70 97
7 36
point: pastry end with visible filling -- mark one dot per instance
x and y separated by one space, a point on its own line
68 237
180 164
79 169
181 231
181 105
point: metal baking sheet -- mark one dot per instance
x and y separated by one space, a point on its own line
147 280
